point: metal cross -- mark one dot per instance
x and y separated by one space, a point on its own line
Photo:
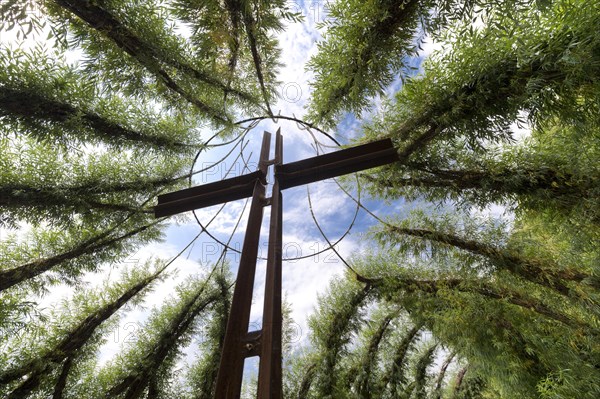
240 344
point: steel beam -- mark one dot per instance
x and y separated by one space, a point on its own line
269 372
336 163
208 194
239 343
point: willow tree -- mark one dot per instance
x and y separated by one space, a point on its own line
70 342
516 301
87 144
94 124
448 304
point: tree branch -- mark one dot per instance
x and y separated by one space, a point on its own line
133 385
146 54
29 105
11 277
530 269
65 350
486 290
250 24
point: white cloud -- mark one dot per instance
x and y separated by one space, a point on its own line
298 44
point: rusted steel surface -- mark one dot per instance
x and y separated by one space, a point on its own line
336 163
208 194
238 343
289 175
269 372
210 187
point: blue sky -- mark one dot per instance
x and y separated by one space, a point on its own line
303 280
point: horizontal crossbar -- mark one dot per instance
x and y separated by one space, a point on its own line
336 163
289 175
206 195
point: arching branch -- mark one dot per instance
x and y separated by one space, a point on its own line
148 56
396 374
61 383
11 277
364 384
65 350
30 105
250 24
135 383
487 290
539 272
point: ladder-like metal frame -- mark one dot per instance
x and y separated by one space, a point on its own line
239 344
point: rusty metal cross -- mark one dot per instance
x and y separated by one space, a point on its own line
240 344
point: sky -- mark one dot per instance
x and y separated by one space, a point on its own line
304 279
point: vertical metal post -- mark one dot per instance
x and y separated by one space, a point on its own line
269 372
238 343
